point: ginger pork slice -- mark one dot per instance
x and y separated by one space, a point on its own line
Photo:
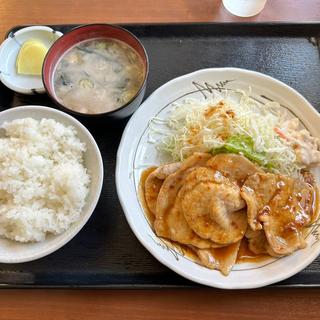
233 166
283 206
222 259
257 191
154 183
170 222
212 206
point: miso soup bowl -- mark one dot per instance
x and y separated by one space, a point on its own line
90 32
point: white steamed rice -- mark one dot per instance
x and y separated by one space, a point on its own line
43 183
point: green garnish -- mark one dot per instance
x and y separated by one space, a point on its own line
242 144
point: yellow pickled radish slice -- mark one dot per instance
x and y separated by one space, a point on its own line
30 57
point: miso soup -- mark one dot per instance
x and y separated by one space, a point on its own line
98 75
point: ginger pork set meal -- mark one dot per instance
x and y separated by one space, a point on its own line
217 171
240 180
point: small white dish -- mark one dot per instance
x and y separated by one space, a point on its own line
136 153
9 50
16 252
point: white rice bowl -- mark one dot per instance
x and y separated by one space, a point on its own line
51 176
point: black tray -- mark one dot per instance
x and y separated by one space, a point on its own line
106 253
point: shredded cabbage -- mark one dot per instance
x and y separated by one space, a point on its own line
236 124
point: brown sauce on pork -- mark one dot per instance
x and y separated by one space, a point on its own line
293 204
149 215
245 255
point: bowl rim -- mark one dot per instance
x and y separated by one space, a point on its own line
68 236
93 115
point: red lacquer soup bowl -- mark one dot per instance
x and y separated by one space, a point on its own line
90 32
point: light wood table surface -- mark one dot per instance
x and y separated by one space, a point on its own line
201 304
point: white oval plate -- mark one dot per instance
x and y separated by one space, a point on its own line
135 154
16 252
